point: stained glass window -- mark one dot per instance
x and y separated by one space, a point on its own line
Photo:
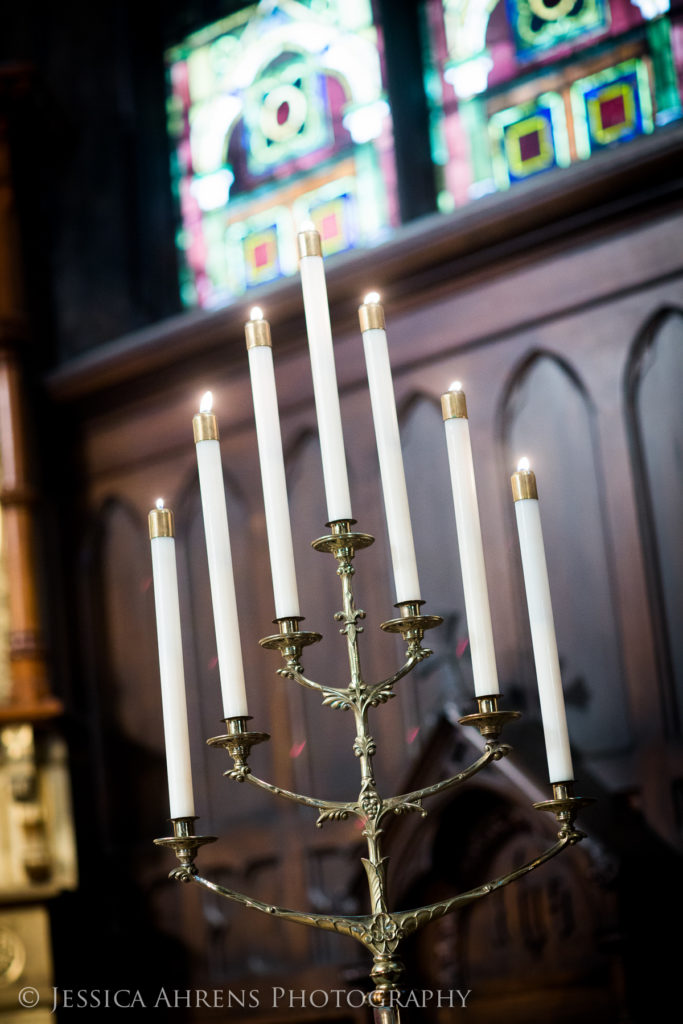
277 115
521 87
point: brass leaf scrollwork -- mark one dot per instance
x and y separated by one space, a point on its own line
381 931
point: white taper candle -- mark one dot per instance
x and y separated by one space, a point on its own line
171 662
324 374
406 582
223 598
456 424
542 625
257 332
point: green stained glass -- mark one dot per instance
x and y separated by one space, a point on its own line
277 115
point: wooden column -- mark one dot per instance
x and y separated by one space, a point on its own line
29 694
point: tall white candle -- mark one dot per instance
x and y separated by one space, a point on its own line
219 555
171 662
543 637
324 374
406 582
257 332
456 424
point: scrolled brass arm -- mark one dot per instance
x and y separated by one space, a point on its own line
378 931
390 682
411 920
297 676
330 808
356 927
493 752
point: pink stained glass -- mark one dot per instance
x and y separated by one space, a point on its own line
613 112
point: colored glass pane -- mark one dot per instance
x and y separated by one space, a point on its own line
277 115
528 140
520 87
611 106
539 25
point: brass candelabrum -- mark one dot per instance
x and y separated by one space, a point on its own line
382 930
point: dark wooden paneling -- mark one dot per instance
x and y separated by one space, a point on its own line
653 411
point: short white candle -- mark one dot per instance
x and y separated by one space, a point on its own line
324 374
223 598
406 582
171 662
257 332
542 624
470 546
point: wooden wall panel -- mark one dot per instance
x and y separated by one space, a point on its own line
654 378
128 695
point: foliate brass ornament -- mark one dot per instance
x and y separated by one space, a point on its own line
381 931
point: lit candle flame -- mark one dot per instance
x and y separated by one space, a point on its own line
455 386
206 403
256 313
523 466
307 225
160 503
371 299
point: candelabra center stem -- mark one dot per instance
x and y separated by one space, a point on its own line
351 628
